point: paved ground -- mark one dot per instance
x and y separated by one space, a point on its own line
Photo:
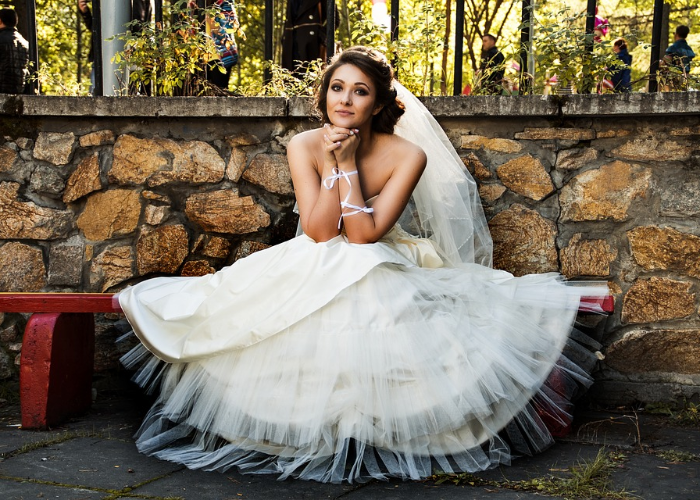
93 457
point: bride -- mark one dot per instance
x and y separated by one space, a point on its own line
377 343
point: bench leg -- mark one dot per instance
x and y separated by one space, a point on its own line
56 366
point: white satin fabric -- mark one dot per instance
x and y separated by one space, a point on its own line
336 361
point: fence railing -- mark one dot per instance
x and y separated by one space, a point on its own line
525 38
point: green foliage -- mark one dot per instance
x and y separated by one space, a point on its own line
686 414
562 50
58 22
170 59
417 52
586 479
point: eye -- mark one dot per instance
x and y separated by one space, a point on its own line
336 88
361 91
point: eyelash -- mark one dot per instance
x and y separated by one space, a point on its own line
338 88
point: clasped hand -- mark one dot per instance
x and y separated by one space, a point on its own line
340 144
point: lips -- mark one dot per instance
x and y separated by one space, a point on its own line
344 113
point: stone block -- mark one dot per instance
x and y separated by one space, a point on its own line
236 164
197 268
645 351
682 198
112 267
491 192
97 138
6 366
271 172
653 149
524 241
526 176
9 334
657 299
217 247
155 214
84 180
475 167
667 249
226 212
8 157
110 214
24 143
26 220
496 145
549 133
54 147
604 193
162 250
586 257
161 161
66 263
46 180
249 247
572 159
242 139
21 268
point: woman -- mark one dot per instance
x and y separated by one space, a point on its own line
359 350
621 76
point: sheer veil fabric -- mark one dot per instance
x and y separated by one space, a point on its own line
341 362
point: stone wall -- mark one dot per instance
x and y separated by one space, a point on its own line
98 193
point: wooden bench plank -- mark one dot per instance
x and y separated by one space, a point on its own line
58 302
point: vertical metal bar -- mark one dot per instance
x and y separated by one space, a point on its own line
269 21
33 48
158 11
330 29
78 46
525 46
459 47
97 44
590 25
655 45
395 33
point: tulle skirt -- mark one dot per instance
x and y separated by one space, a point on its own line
366 361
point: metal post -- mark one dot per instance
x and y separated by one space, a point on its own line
33 49
330 29
394 20
655 45
97 44
158 11
590 25
459 47
525 47
269 21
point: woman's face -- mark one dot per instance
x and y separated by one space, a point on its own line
351 97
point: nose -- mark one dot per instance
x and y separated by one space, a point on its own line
347 98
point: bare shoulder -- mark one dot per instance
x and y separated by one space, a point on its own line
306 139
407 153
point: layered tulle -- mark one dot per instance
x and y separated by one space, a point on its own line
338 361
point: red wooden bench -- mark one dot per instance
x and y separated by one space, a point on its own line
58 350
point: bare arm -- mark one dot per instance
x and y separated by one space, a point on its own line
319 208
368 227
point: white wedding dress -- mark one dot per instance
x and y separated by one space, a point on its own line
336 361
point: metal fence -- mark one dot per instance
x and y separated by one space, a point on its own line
525 38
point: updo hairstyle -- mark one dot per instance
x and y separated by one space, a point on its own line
375 65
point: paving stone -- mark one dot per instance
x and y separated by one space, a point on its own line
202 485
117 465
12 490
653 478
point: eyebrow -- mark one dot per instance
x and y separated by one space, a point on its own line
356 83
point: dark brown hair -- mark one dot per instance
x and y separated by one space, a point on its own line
375 65
621 43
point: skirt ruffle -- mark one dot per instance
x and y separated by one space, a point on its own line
405 372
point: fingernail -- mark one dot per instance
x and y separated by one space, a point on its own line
337 143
